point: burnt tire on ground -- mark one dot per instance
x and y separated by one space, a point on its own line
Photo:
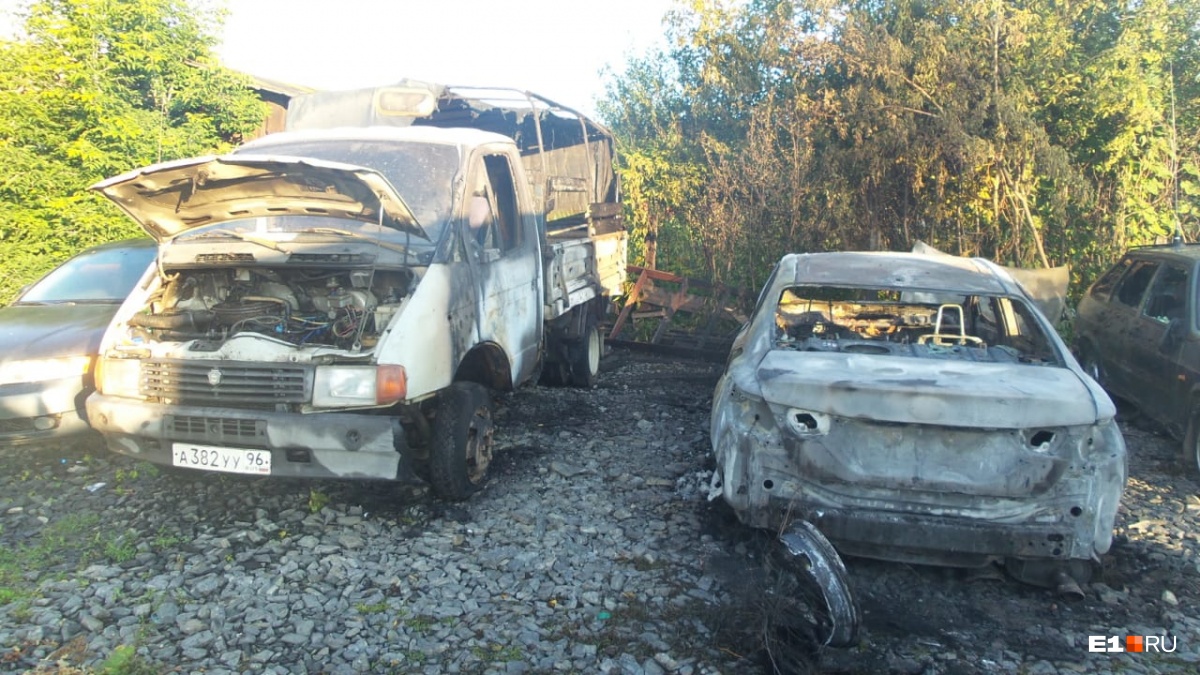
821 576
461 451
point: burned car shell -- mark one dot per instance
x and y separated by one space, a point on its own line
910 450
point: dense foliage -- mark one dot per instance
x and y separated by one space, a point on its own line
94 88
1033 132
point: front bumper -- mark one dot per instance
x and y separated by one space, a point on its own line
316 445
41 411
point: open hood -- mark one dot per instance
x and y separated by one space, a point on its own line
173 197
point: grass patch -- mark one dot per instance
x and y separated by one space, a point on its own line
124 477
317 500
119 550
422 623
372 608
165 541
65 539
125 660
493 652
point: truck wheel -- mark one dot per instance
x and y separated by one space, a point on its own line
462 441
1191 443
585 357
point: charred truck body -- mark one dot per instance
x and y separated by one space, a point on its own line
337 300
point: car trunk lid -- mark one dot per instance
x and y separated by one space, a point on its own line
927 391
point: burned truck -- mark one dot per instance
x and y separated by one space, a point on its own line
340 299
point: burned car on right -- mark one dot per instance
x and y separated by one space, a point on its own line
917 408
1137 332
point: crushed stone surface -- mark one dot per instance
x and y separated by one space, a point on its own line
593 549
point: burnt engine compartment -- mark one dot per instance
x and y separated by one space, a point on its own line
339 308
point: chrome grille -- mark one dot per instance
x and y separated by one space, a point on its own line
235 384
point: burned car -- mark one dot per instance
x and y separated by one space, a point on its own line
920 409
1137 332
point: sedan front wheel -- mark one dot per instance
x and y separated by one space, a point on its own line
1191 442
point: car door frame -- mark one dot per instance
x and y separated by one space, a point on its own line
1117 320
507 273
1154 347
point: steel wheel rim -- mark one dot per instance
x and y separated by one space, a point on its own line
479 444
593 351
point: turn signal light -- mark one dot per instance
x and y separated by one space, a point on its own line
391 384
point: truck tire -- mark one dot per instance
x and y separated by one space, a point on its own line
1191 443
585 357
461 450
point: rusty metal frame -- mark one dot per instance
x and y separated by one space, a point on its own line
661 296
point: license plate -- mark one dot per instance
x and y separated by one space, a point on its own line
229 460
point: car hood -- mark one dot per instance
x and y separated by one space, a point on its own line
927 391
173 197
49 331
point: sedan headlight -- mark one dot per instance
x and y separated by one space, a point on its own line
41 370
358 385
119 377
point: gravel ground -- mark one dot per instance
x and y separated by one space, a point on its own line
592 550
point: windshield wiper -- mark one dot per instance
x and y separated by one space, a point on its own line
355 235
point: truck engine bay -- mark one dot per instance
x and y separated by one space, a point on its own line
345 309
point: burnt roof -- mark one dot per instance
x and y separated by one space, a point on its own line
900 271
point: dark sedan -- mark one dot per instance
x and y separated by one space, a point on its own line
1137 332
49 337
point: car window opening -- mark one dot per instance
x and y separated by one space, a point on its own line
880 321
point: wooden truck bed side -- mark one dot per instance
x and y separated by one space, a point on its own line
580 269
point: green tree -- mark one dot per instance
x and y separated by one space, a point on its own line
1033 132
94 88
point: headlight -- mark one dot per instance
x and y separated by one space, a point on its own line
41 370
119 377
358 385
